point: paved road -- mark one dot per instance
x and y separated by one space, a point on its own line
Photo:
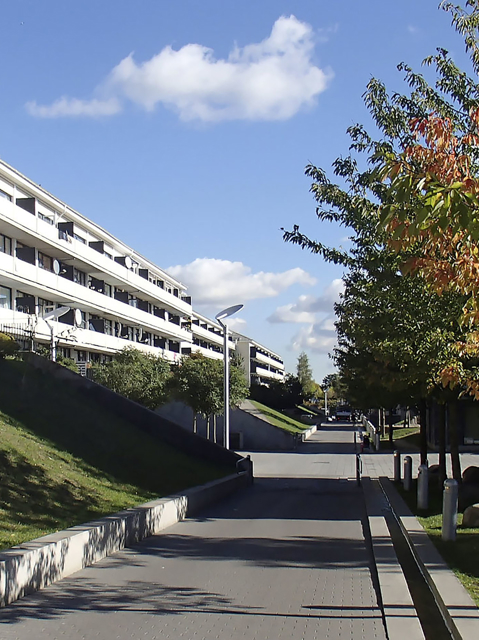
285 558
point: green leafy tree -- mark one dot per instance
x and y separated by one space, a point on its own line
198 382
305 376
139 376
280 395
396 332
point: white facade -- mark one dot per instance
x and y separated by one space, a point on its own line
52 256
261 365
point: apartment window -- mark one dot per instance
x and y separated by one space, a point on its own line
108 255
79 238
45 218
5 196
81 356
5 298
108 327
108 290
44 306
79 277
45 262
5 244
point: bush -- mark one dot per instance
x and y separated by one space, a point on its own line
139 376
8 345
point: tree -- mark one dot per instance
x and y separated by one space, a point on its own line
139 376
398 337
280 395
305 376
198 382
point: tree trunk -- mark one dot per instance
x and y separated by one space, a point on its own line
454 441
214 428
442 445
391 430
194 422
208 427
423 432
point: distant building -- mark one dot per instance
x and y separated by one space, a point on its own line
261 365
52 256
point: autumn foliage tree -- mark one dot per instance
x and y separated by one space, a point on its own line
431 202
411 199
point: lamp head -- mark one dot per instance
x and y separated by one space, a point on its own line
228 312
56 313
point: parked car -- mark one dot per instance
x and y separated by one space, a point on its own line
343 413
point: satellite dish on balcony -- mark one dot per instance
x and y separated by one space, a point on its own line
128 262
56 267
78 317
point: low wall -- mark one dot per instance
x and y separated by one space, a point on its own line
36 564
248 428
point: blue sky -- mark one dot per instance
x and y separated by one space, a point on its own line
183 127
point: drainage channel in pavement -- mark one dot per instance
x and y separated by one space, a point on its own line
434 625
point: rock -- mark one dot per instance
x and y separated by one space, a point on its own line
471 475
470 518
468 495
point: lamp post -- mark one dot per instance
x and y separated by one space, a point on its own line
54 315
226 313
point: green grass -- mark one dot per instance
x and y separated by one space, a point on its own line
280 420
409 437
64 461
463 554
304 409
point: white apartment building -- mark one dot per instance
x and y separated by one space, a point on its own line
260 364
51 256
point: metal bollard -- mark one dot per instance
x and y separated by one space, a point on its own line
449 510
397 466
377 440
359 468
407 483
422 487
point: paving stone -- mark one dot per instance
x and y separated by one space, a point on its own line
285 558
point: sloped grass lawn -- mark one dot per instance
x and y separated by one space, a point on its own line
64 461
463 554
408 436
280 420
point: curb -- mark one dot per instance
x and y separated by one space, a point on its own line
456 605
309 432
400 616
33 565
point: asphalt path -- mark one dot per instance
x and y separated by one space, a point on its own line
285 558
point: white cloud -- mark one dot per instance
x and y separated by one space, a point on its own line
235 323
304 310
325 33
221 282
74 107
270 80
319 337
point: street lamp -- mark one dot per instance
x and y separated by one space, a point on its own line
226 313
54 315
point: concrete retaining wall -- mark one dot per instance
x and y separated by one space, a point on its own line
33 565
255 432
140 417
